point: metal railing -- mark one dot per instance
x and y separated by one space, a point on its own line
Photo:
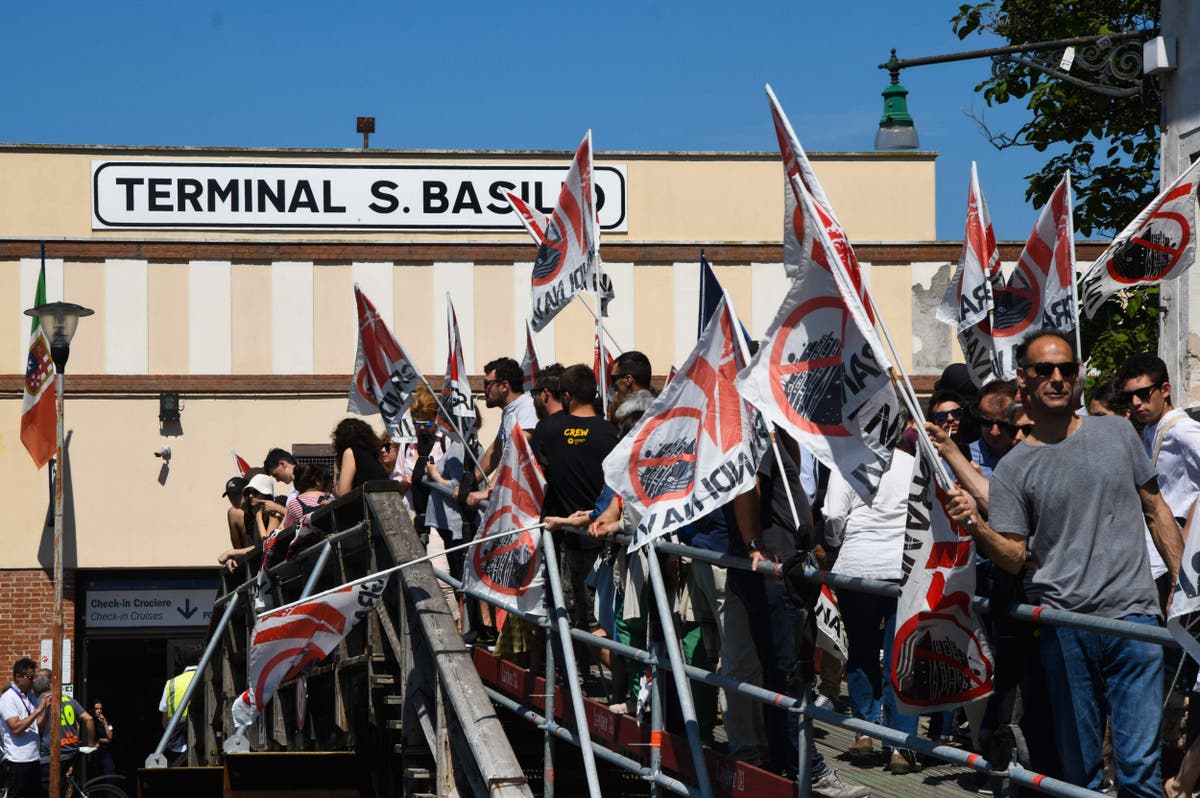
673 662
364 521
406 657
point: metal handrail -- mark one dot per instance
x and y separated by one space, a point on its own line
1022 612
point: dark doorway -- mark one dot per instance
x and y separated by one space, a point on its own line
128 673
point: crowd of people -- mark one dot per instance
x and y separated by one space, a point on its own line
1074 509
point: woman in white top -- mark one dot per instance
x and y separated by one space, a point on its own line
873 543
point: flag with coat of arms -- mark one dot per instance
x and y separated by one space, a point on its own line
39 411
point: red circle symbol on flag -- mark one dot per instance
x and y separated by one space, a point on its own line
663 465
507 565
1022 306
806 371
1154 251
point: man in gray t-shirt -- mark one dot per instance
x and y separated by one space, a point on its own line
1074 494
1083 527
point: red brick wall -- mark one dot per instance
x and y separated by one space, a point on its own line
26 611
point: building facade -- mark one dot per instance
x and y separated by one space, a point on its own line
226 276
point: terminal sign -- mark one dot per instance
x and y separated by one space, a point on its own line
146 607
401 197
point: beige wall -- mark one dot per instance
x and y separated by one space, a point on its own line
119 515
256 318
46 192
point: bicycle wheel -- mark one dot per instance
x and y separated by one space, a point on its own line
100 787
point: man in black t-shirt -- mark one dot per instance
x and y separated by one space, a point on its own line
573 447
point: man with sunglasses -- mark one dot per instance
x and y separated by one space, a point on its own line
1170 435
22 719
997 435
504 387
1067 503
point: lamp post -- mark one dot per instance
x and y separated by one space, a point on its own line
58 322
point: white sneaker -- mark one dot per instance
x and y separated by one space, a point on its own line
830 786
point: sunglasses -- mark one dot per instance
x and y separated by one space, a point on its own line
1004 426
1026 429
489 383
1142 394
943 416
1045 370
423 424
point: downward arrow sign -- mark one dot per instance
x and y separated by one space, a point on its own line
187 610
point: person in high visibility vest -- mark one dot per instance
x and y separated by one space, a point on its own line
172 698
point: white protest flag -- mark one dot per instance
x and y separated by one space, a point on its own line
969 299
831 632
941 658
530 366
1040 293
821 373
797 243
288 641
1185 602
1160 244
698 445
456 387
568 242
508 567
384 375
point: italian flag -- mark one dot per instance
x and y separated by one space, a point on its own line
38 421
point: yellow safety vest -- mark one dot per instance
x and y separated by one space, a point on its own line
177 687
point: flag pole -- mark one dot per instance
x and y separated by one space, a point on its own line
616 344
1074 273
597 277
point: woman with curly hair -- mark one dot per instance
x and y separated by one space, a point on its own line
356 447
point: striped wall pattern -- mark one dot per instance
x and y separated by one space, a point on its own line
297 317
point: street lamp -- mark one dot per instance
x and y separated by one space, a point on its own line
58 323
896 130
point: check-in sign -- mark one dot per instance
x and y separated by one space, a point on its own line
405 197
148 606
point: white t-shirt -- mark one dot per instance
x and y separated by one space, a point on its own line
1178 463
873 545
18 747
1178 468
520 413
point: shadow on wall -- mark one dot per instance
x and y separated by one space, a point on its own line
46 545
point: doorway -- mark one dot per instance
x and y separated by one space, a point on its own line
128 672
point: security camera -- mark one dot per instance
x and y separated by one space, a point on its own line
164 452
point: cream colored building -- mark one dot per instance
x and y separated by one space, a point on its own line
253 322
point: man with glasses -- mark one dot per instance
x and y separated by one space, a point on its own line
504 387
630 374
22 719
1068 502
1170 435
997 435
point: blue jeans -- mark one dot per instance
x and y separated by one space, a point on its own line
871 696
1087 671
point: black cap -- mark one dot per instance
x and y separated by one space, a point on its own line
234 485
956 378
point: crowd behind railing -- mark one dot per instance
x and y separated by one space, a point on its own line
1089 690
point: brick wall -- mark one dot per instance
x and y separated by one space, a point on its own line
26 610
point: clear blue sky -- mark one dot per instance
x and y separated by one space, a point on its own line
642 75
